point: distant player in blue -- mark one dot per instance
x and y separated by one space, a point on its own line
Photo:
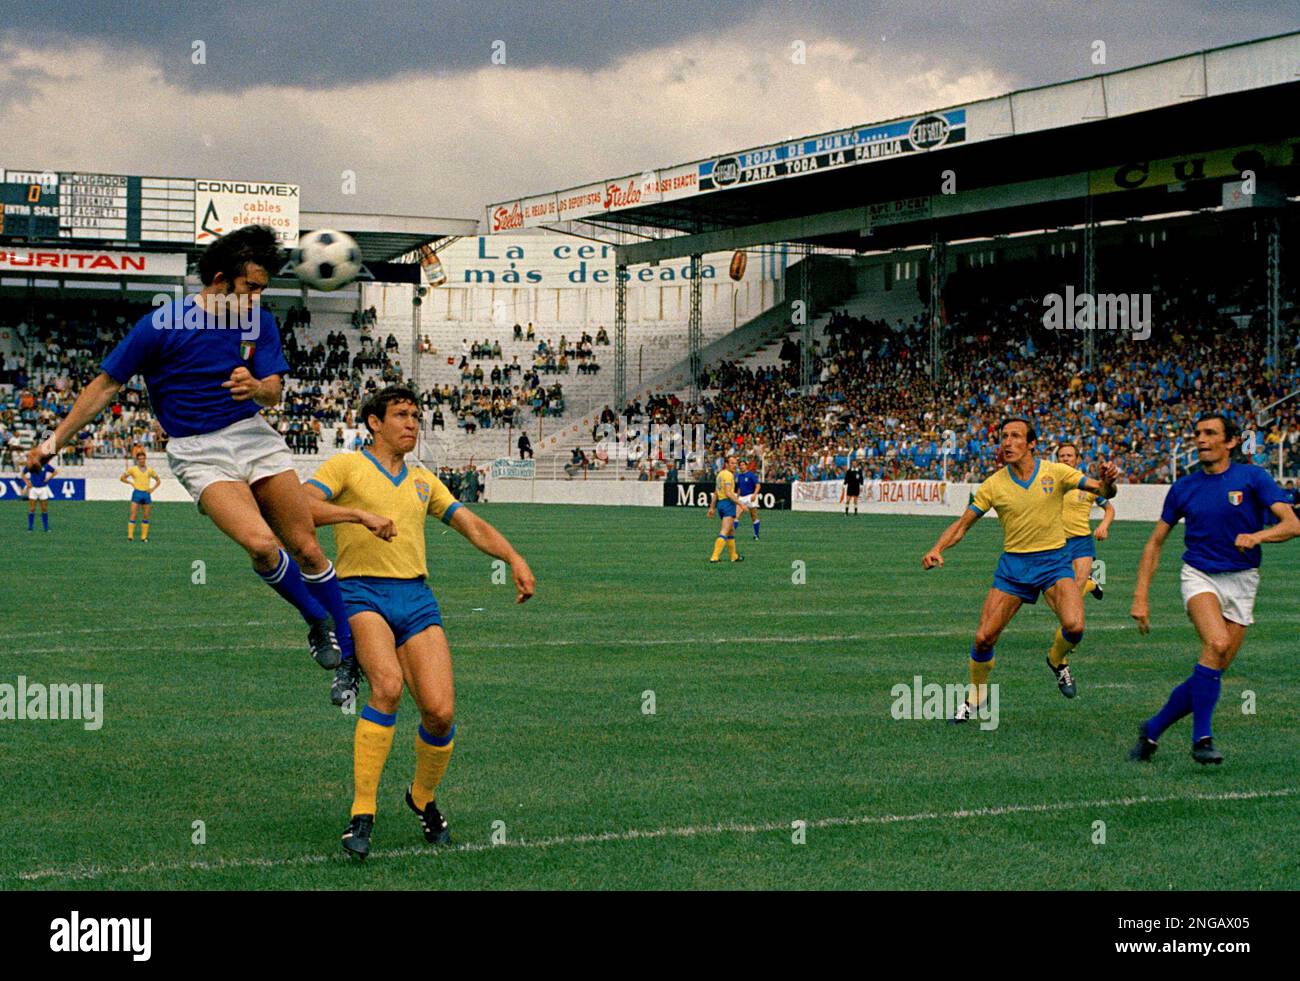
1226 507
747 486
212 362
36 487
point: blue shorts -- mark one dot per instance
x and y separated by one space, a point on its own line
406 604
1026 574
726 509
1080 547
141 497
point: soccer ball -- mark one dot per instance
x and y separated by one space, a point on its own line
326 259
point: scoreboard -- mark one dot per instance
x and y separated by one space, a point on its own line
40 206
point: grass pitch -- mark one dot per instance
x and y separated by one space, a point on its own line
772 705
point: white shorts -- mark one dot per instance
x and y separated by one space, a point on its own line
40 494
1236 591
247 451
750 501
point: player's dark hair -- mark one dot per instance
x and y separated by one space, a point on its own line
377 404
1031 437
1230 429
230 254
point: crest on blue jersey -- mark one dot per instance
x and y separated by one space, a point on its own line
1048 484
1234 498
246 349
422 489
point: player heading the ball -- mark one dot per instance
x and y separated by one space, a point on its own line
208 385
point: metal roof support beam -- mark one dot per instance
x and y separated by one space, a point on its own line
730 239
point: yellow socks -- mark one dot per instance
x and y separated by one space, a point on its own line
1061 647
731 547
1089 586
144 531
979 677
370 747
718 546
130 531
432 754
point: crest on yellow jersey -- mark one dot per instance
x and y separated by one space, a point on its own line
422 489
1048 484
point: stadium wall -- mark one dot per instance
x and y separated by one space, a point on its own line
1136 502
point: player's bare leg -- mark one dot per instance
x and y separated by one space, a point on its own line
998 610
234 510
1065 597
426 668
1083 576
1221 639
130 524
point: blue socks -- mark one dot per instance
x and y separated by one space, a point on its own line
45 520
286 580
1196 697
756 524
1206 683
31 520
324 589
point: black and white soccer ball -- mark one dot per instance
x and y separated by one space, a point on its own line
325 259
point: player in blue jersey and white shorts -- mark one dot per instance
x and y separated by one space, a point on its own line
1226 507
36 487
747 488
212 362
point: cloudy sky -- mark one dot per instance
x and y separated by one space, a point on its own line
408 96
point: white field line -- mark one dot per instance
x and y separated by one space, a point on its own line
84 872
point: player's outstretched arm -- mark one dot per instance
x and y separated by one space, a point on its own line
488 540
954 533
325 513
1287 528
1102 531
90 403
1141 610
1103 485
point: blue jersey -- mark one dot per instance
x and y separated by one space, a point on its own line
184 365
746 481
1219 507
38 476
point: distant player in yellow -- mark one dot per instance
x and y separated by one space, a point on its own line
1027 495
727 503
1079 536
144 481
379 503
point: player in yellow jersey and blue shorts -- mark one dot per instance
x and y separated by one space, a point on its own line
1080 538
1027 494
380 503
144 480
726 502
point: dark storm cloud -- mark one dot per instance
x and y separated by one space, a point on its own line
327 42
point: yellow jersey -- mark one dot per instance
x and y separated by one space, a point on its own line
1030 513
359 480
1075 510
726 481
141 480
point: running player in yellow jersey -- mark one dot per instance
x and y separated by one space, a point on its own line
727 504
144 481
1027 495
1079 536
380 504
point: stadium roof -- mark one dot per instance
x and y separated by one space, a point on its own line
1029 159
383 238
